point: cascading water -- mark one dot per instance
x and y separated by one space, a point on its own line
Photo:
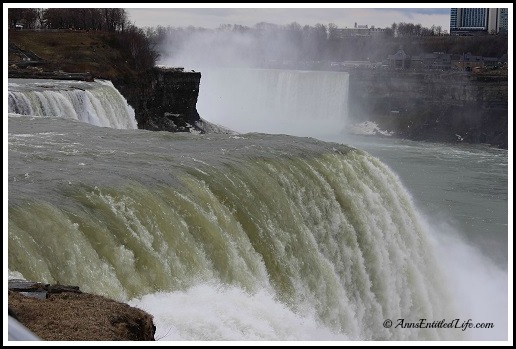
98 103
322 236
229 237
302 103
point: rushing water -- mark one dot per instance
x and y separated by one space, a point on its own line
463 185
306 103
261 236
98 103
462 191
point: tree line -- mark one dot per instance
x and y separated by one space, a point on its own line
115 19
293 42
126 36
101 19
266 41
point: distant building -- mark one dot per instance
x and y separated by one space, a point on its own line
472 18
358 30
453 19
399 60
435 60
503 25
471 62
497 22
376 31
477 20
467 62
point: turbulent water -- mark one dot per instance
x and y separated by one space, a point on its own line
305 103
317 229
228 237
98 103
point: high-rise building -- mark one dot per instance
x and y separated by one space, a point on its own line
490 20
473 18
453 19
503 26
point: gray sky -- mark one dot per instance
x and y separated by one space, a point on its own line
343 15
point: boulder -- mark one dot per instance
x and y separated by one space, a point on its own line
64 313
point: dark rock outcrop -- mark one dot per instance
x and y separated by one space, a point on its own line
164 99
64 313
433 106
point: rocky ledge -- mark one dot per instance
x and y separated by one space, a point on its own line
64 313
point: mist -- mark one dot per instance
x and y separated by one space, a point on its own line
210 49
479 285
275 84
301 103
231 101
239 89
265 46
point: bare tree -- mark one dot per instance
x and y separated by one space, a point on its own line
26 16
332 31
394 28
115 19
40 23
15 15
138 45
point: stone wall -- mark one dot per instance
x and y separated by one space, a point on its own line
435 106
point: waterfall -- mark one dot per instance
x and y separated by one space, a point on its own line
98 103
275 101
319 234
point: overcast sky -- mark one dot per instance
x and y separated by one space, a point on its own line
343 15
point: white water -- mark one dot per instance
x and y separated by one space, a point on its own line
97 103
353 266
480 287
352 247
301 103
220 312
368 128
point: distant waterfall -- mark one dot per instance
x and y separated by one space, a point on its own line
98 103
275 101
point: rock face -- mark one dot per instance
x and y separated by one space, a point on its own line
63 313
437 106
164 100
434 106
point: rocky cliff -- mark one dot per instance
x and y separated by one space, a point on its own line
434 106
439 106
164 99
